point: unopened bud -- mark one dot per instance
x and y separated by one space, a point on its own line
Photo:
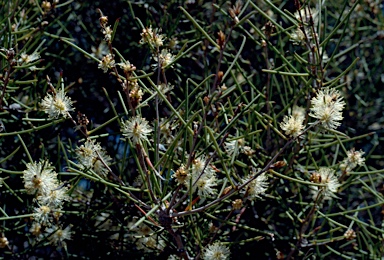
206 100
103 21
226 190
278 164
315 178
221 39
237 204
46 6
350 234
220 75
3 242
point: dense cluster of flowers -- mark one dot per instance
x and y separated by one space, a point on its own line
41 180
257 186
152 37
327 107
203 177
164 59
211 172
92 156
354 158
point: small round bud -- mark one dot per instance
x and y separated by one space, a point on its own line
3 242
248 151
46 6
315 177
220 75
103 20
263 43
237 204
350 234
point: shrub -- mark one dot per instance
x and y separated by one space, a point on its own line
191 130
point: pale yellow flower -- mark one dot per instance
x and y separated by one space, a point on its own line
181 175
107 31
42 215
127 66
297 37
234 146
298 112
205 186
54 198
36 229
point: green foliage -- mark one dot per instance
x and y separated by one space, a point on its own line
183 128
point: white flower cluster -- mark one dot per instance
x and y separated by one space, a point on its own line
207 179
164 59
327 107
92 156
41 179
198 178
297 37
155 40
293 124
107 62
146 239
354 158
328 177
256 187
